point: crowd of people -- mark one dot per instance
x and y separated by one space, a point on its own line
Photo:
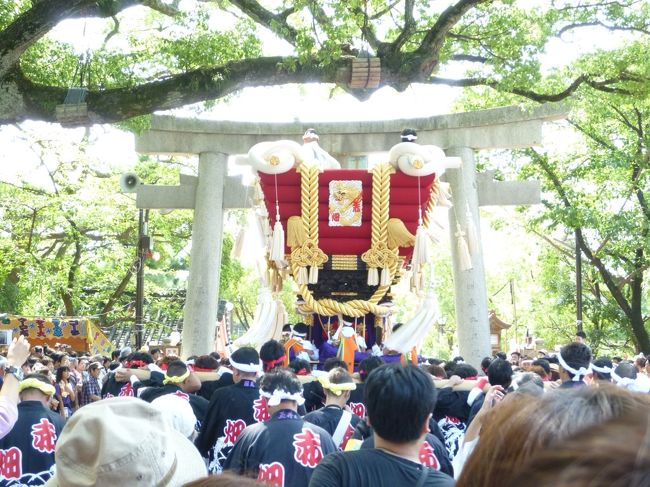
267 418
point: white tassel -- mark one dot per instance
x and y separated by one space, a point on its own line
472 237
464 258
420 249
444 195
303 275
277 244
313 274
385 277
239 245
373 276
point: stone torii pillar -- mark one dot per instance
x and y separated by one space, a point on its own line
459 134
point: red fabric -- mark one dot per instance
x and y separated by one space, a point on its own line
348 240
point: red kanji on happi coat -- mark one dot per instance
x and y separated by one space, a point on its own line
44 436
11 466
271 474
308 452
260 410
358 408
232 430
126 390
348 434
428 457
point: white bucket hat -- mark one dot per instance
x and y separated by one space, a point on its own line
123 441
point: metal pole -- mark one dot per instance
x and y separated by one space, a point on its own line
578 285
139 283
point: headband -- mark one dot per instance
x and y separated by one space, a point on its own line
299 335
409 137
279 395
34 383
269 364
249 367
602 370
175 379
622 381
336 388
135 364
576 373
302 371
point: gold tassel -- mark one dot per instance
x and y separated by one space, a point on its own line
472 237
302 277
385 277
313 274
464 258
398 234
296 234
277 245
373 276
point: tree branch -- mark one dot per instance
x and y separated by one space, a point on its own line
276 23
119 104
431 45
611 28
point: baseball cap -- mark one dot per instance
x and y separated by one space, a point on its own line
123 441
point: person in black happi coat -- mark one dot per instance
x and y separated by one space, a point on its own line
28 449
285 449
333 418
231 409
400 401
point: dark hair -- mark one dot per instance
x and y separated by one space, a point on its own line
59 372
115 354
464 371
601 362
299 364
271 350
641 361
581 334
155 350
176 368
615 453
399 399
245 355
522 426
367 365
280 378
500 373
206 362
142 356
404 135
501 355
437 371
332 363
544 364
576 355
301 328
458 359
485 363
224 479
626 370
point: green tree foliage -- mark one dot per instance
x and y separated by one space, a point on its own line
159 54
68 240
595 192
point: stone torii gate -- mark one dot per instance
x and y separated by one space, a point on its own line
458 134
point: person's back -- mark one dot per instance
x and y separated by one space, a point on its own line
285 449
28 449
231 409
333 418
399 402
